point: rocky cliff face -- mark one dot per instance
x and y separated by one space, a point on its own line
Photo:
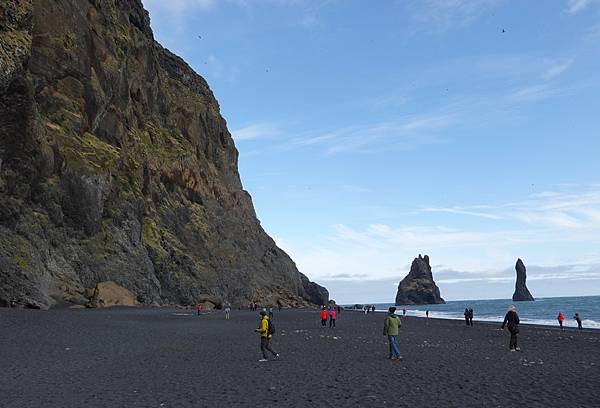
116 165
521 292
418 287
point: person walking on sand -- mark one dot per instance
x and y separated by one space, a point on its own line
199 308
561 319
511 320
227 311
266 330
332 317
373 308
427 314
578 320
403 312
270 312
466 314
470 316
323 317
391 326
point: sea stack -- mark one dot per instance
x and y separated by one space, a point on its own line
116 165
521 294
418 287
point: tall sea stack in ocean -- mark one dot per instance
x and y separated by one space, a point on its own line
418 287
521 292
116 165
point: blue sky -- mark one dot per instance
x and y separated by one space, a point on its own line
370 132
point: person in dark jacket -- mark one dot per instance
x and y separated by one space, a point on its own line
511 320
470 316
466 314
578 320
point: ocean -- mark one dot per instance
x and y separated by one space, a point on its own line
542 311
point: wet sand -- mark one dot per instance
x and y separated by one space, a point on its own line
172 358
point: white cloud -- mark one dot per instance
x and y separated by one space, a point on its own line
382 102
356 189
549 209
463 212
534 93
260 130
221 70
443 15
480 252
180 7
557 69
576 6
400 135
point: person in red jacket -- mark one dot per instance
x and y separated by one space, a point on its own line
323 317
561 319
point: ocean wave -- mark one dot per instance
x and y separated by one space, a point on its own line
587 323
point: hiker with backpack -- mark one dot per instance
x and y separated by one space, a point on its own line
266 330
391 327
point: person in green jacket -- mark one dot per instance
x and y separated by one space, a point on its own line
391 326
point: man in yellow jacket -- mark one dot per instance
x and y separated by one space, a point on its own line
265 336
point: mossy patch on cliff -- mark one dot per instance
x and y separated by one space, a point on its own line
18 250
85 150
162 144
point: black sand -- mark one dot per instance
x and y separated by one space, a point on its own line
172 358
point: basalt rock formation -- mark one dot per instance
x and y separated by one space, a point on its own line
116 165
521 292
418 287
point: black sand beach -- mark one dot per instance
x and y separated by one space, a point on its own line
172 358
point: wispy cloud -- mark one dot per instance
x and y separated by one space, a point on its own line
218 69
260 130
535 93
577 6
309 10
356 189
561 219
463 212
181 7
578 211
557 69
443 15
382 102
400 135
